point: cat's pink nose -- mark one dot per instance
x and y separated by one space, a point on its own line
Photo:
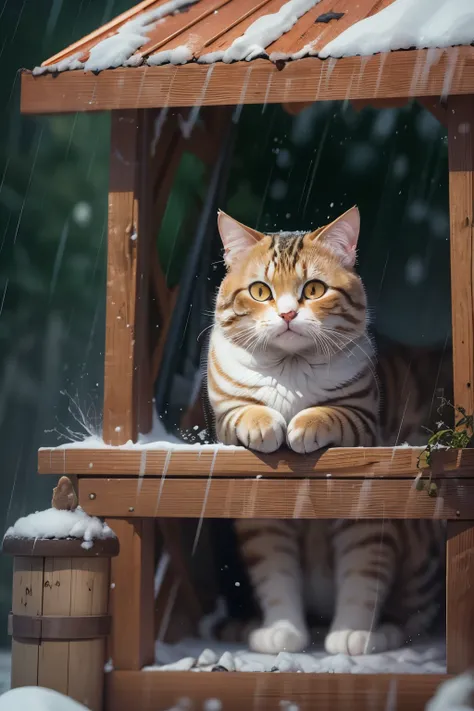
288 316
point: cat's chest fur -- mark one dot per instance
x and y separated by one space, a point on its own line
286 384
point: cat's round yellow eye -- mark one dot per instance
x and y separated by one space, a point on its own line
314 289
260 291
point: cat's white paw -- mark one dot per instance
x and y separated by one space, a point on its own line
355 642
261 429
282 636
310 430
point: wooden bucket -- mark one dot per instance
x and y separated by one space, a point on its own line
59 621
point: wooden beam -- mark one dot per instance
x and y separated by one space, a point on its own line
127 397
131 594
160 691
460 597
461 208
239 462
274 498
396 74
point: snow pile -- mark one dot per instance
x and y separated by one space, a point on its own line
262 33
118 49
36 698
454 695
69 63
178 55
405 24
157 438
192 654
54 523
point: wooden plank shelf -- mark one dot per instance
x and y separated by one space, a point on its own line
262 691
274 498
390 462
392 75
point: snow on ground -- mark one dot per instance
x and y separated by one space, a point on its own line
53 523
420 658
36 698
405 24
454 695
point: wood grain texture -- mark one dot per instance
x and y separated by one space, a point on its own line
339 462
131 601
27 599
263 691
89 596
274 498
460 597
461 208
396 74
127 397
53 668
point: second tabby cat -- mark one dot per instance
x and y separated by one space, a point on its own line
290 361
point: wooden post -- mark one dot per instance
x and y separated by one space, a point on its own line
59 620
131 595
460 597
127 397
461 207
460 547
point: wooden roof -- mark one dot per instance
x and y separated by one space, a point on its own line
182 52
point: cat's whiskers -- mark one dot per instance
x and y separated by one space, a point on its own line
203 331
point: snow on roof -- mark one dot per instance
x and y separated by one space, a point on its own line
54 523
261 33
405 24
180 31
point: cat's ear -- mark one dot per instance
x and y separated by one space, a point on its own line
341 236
236 238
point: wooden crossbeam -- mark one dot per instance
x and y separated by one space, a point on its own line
396 74
274 498
344 462
160 691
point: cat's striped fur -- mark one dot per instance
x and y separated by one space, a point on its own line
300 368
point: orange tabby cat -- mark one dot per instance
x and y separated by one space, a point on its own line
290 360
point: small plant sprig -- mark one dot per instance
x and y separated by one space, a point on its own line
459 436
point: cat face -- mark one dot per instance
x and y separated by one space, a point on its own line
291 292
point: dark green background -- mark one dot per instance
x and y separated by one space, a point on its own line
287 173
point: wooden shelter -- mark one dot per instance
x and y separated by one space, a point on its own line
132 71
